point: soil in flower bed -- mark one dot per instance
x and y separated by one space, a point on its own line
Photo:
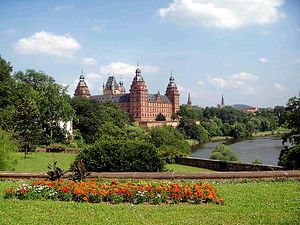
135 192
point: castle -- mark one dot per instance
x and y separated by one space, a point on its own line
142 106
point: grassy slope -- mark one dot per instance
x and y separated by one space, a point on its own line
263 202
38 162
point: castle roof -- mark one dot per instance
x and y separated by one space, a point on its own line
163 98
111 82
112 98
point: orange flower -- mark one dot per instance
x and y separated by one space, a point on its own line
85 199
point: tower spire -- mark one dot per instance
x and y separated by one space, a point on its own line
222 101
189 101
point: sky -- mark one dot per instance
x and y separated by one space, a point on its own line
248 50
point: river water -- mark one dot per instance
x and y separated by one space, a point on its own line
265 149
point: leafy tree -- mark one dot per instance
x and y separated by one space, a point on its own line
121 156
7 147
160 117
191 130
167 135
27 119
224 153
95 119
52 103
290 156
8 95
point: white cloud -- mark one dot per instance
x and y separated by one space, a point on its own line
96 29
200 82
47 43
279 87
230 14
88 61
244 82
245 76
11 31
263 60
93 76
120 68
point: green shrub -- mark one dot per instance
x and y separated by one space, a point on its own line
7 147
167 135
121 156
290 157
55 148
224 153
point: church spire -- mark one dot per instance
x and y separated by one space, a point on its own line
189 101
222 101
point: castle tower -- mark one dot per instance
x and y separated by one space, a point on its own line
82 88
112 87
189 101
173 94
138 97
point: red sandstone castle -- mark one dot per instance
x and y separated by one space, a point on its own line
141 105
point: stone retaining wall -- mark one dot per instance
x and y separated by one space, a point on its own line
218 165
167 175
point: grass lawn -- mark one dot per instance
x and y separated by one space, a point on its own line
183 168
38 162
261 202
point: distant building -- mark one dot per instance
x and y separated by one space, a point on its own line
250 109
222 103
141 105
82 88
189 101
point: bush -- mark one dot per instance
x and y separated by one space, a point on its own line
290 157
224 153
55 148
7 147
121 156
167 135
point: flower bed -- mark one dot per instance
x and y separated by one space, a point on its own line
135 192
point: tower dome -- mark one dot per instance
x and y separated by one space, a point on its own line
171 82
138 75
82 88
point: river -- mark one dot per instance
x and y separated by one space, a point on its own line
265 149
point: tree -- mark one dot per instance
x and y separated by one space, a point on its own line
167 135
290 156
27 124
52 104
160 117
224 153
93 119
7 147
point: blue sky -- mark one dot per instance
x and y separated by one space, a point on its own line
247 50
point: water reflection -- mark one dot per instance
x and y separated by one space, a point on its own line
265 149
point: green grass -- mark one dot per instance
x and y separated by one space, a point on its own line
262 202
182 168
38 162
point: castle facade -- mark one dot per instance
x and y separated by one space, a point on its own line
142 106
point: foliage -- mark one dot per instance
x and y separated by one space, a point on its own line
224 153
169 136
55 172
289 156
117 192
52 104
257 162
79 171
7 147
55 148
191 130
121 156
94 118
27 119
